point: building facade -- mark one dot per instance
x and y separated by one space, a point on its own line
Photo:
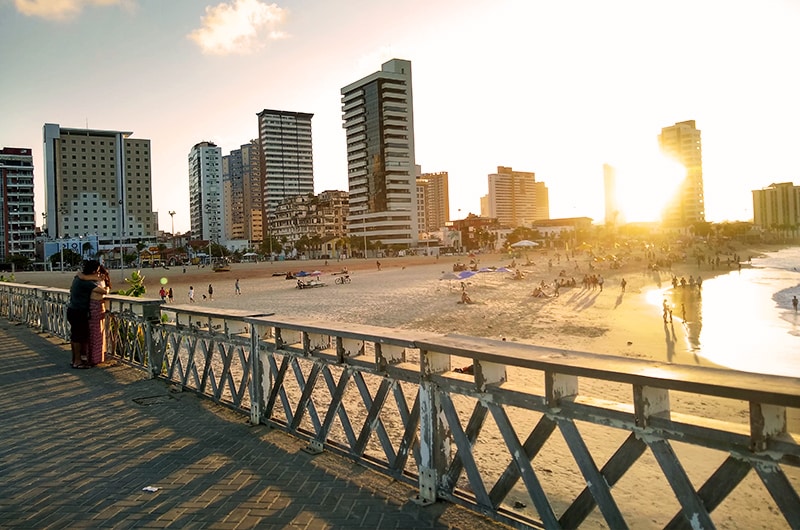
243 199
287 161
378 118
311 219
777 207
516 199
98 182
18 226
434 201
206 193
681 142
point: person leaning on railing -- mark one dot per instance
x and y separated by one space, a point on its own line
80 293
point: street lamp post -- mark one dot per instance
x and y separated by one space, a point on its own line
172 217
365 236
63 211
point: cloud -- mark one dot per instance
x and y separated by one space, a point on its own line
240 26
61 9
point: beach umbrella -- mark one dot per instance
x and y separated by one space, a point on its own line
487 269
449 276
525 243
316 273
503 269
463 275
301 274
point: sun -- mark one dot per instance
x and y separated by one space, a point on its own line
645 186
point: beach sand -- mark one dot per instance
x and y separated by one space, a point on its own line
408 294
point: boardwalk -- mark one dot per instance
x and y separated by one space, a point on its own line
79 446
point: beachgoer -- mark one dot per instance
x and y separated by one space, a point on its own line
378 263
191 294
97 318
210 292
465 299
163 294
237 288
170 295
80 293
622 284
794 303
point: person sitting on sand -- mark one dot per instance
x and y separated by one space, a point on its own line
465 299
539 293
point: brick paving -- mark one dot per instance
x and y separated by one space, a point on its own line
76 451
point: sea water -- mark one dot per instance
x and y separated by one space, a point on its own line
744 319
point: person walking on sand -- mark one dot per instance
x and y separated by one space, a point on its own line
237 288
622 284
170 296
378 263
794 303
210 292
191 294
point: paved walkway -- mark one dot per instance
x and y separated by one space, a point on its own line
77 448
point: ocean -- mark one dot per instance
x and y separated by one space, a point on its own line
745 320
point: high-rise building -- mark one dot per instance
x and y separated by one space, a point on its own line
681 142
516 199
243 198
378 116
205 193
98 182
613 216
18 224
434 199
287 161
777 207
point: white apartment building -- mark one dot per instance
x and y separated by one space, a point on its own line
98 182
378 118
287 156
777 207
205 193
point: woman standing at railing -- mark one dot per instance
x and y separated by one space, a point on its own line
80 293
97 317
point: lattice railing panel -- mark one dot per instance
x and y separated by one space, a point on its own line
528 435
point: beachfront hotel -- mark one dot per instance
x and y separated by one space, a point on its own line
378 117
98 182
18 223
515 198
287 156
681 142
205 193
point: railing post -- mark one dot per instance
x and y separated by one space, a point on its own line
257 402
434 432
649 401
766 421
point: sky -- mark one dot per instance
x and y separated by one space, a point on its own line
556 88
